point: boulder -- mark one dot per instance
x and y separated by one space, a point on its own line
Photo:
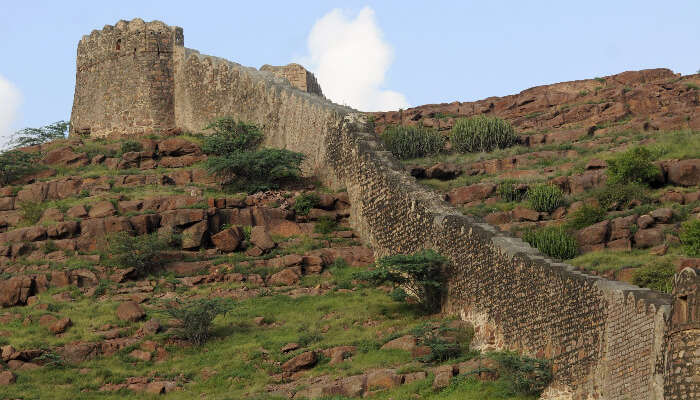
77 211
102 209
141 355
80 351
60 325
645 221
443 374
67 157
193 235
130 311
442 171
525 214
16 290
177 147
260 238
620 228
7 378
181 217
649 237
383 379
684 172
228 240
594 234
286 277
302 361
471 193
406 343
662 215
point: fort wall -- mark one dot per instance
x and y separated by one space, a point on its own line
606 339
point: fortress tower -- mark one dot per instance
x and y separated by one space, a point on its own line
137 78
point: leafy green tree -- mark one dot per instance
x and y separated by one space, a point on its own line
143 253
196 318
231 136
15 164
419 276
34 136
633 166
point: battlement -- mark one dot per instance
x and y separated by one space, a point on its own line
297 76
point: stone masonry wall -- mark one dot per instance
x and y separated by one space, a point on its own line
606 339
124 80
297 75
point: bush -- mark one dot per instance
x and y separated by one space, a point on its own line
412 141
15 164
420 275
143 253
633 166
528 376
690 237
257 170
31 212
586 216
553 241
655 276
231 136
196 318
34 136
481 133
545 198
616 196
305 202
508 191
325 225
131 146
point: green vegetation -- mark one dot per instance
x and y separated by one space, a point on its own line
305 202
529 376
234 157
656 276
15 164
692 86
405 141
129 146
508 191
325 225
619 196
196 318
553 241
633 166
690 237
545 197
31 212
143 253
231 136
34 136
418 276
481 133
586 216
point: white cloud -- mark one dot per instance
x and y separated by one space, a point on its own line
350 59
10 99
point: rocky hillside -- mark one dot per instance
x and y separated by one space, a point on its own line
86 315
567 135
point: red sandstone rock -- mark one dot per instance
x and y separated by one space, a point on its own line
684 172
302 361
66 157
525 214
228 240
260 238
443 171
287 277
645 221
178 147
406 343
16 290
594 234
384 379
130 311
7 378
471 193
102 209
662 215
648 237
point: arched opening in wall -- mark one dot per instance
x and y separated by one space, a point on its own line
680 310
119 45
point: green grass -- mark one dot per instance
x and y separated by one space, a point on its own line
606 260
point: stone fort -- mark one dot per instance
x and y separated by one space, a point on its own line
606 339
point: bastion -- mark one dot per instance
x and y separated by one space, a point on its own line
606 339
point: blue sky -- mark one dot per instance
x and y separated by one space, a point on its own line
418 52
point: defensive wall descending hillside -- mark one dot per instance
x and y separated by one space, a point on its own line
607 339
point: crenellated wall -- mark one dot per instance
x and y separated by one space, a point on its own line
607 339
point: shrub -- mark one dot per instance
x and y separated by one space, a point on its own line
690 237
305 202
130 146
615 196
545 198
553 241
421 276
325 225
657 276
481 133
34 136
15 164
633 166
143 253
585 216
31 212
528 376
508 191
196 317
231 136
412 141
257 170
